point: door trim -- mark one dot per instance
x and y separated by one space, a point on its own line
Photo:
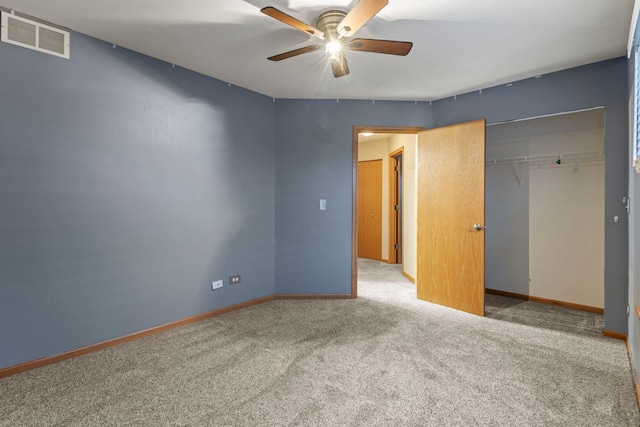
393 259
354 190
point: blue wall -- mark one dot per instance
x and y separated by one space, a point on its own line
601 84
126 187
314 161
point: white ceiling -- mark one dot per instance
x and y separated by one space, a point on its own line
459 45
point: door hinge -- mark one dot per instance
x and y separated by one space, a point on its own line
396 246
396 207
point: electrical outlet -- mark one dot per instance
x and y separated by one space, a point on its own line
234 280
216 285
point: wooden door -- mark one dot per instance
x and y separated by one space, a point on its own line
451 171
370 209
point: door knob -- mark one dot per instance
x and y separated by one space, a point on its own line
477 227
371 215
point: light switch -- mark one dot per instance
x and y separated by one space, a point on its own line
323 204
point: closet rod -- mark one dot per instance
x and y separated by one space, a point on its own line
521 159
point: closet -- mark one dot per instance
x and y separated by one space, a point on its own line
545 208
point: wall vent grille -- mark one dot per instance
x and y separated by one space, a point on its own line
34 35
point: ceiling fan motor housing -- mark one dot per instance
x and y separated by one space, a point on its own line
328 24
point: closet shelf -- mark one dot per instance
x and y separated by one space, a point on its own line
542 157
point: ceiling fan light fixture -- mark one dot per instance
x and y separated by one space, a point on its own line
336 28
334 48
366 133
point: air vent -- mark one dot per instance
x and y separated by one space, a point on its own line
34 35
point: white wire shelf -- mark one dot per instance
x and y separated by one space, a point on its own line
543 157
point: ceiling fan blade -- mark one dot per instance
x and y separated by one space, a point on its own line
359 15
290 20
339 66
295 52
381 46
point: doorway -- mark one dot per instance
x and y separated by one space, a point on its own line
398 141
456 143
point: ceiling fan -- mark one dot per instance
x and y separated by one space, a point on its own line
336 28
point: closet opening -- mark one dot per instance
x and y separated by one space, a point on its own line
545 210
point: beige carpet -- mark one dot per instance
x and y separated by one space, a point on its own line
545 316
385 359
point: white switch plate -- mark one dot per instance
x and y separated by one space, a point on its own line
323 204
216 285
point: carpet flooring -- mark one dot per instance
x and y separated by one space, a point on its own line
541 315
384 359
